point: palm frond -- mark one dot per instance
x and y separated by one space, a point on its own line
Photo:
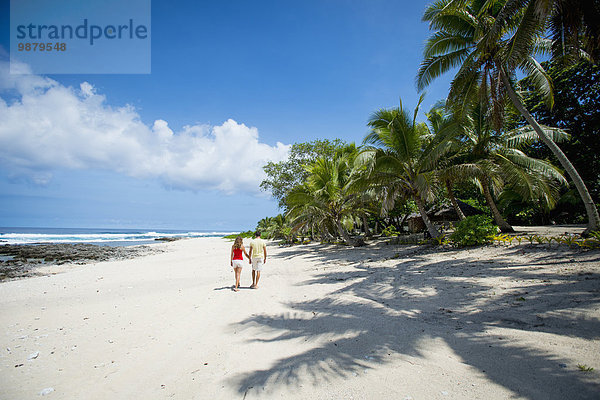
526 135
443 42
434 66
540 79
522 42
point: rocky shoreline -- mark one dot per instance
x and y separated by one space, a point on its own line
21 261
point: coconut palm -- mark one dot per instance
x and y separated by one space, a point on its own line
328 196
307 212
574 25
488 44
264 225
401 156
445 127
493 159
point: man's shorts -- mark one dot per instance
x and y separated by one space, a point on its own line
238 263
257 264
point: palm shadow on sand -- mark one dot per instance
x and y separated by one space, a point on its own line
400 306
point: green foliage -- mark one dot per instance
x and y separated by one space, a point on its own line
245 235
479 40
390 231
285 175
474 230
276 228
572 241
477 204
328 200
401 156
589 243
577 101
504 239
584 368
568 240
531 238
440 240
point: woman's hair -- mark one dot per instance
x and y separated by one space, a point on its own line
238 243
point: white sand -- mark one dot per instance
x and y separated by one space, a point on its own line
381 322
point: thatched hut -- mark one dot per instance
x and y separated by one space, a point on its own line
445 214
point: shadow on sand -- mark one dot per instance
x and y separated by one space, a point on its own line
399 303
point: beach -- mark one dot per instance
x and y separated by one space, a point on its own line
327 322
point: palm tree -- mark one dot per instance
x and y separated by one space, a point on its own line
264 225
401 156
574 25
328 196
494 158
487 43
445 127
307 213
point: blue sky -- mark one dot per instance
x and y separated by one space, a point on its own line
242 79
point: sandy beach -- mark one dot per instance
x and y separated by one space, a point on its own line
328 322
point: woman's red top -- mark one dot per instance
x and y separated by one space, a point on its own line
238 254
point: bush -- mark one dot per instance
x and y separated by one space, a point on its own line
244 235
474 230
390 231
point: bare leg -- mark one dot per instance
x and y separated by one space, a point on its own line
238 272
253 279
257 278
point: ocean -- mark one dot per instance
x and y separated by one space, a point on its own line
106 237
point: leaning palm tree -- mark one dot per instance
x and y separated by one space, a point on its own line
488 45
401 157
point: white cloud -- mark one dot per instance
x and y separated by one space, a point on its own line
45 126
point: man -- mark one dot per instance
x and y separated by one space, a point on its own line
258 256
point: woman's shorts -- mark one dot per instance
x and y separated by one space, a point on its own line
238 263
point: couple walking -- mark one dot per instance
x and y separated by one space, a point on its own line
257 257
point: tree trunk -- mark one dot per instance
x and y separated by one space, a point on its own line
344 233
366 225
430 227
502 224
590 207
402 222
461 215
326 235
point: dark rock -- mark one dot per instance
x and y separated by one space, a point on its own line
28 257
167 239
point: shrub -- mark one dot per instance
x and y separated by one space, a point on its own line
390 231
474 230
244 235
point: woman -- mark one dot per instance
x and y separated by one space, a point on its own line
237 259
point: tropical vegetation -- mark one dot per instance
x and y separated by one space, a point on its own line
521 151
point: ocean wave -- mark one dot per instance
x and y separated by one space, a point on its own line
29 238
